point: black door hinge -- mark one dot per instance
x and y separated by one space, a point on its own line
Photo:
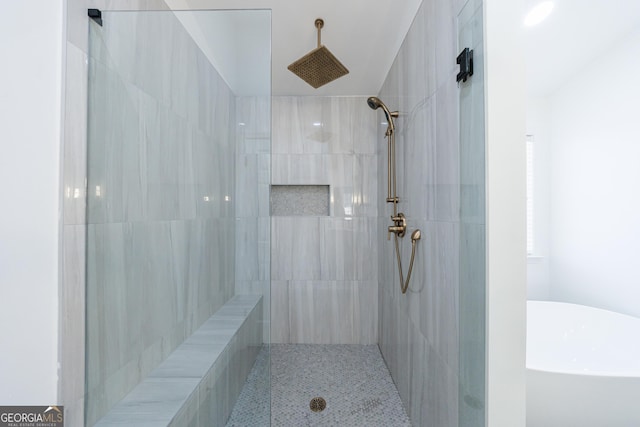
96 15
465 59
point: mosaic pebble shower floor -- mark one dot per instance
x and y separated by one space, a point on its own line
353 380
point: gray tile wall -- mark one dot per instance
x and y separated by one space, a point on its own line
160 188
324 274
253 176
419 331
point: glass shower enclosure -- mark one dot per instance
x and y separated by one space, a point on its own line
178 171
472 295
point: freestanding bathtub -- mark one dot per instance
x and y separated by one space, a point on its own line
583 366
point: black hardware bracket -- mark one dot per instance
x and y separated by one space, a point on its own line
96 15
465 59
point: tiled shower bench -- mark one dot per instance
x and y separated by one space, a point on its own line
199 383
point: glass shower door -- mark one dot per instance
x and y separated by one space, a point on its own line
174 113
471 394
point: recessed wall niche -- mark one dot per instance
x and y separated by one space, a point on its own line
300 200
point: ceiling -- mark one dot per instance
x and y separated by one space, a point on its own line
365 35
575 34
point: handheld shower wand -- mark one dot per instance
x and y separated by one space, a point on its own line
375 103
399 226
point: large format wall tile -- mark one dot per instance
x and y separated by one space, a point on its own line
317 125
252 126
72 309
295 248
75 128
347 249
324 268
112 101
447 153
326 312
280 311
417 176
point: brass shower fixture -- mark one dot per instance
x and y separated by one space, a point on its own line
399 226
319 66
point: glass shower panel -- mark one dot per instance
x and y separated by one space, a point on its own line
177 102
472 227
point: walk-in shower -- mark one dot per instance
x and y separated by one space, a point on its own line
399 227
192 275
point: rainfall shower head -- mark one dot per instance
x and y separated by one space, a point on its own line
319 66
375 103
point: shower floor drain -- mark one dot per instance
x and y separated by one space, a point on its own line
317 404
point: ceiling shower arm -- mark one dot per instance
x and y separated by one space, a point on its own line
319 24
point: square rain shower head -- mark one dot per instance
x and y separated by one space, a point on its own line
319 66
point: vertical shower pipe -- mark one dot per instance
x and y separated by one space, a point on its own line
399 222
391 176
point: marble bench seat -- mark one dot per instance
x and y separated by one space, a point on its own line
200 381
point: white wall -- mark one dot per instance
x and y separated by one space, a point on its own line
506 256
538 127
595 195
30 109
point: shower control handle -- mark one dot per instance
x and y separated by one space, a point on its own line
399 226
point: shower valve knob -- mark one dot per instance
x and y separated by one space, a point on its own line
399 226
398 229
